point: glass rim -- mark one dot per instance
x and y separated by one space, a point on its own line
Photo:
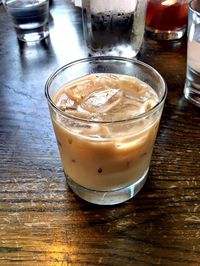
103 58
193 9
5 2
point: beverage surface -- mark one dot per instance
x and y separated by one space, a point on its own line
106 97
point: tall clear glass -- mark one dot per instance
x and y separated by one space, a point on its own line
114 27
192 83
105 162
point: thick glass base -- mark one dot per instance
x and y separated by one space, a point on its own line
192 94
107 197
165 35
192 86
32 35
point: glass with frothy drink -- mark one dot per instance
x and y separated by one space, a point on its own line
105 113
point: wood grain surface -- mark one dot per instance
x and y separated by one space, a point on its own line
41 221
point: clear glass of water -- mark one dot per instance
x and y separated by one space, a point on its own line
192 84
114 27
30 18
105 113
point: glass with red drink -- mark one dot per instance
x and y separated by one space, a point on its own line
166 19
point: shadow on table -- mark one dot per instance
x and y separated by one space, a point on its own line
144 227
34 55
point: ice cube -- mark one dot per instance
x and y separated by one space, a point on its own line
141 97
80 113
98 131
77 92
133 85
102 100
108 81
65 103
125 109
140 94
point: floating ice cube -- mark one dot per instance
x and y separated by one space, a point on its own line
77 92
141 96
102 100
125 109
80 113
108 81
65 103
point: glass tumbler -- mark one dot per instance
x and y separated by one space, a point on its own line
166 19
105 161
30 18
114 27
192 83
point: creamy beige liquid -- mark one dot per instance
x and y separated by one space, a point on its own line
105 156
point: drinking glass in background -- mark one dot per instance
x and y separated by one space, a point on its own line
30 18
106 152
114 27
192 84
166 19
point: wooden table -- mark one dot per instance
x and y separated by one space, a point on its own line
41 221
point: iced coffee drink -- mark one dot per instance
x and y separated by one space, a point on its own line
105 125
98 156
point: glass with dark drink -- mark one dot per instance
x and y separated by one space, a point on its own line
166 19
